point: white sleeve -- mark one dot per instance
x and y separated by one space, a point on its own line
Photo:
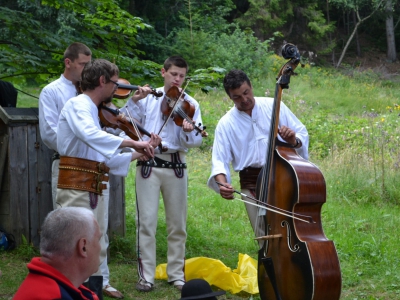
48 118
86 129
119 164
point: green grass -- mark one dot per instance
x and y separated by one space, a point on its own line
354 139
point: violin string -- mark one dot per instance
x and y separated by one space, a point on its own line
187 118
137 130
133 123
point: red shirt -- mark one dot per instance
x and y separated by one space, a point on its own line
46 283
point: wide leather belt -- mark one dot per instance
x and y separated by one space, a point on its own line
82 174
160 163
248 178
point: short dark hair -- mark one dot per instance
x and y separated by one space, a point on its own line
177 61
73 51
93 70
234 79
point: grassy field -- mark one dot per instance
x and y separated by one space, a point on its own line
354 139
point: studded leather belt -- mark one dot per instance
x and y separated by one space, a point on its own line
82 174
160 163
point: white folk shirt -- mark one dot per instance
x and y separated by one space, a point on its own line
79 135
51 101
243 140
148 112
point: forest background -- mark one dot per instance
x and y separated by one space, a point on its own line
347 95
139 34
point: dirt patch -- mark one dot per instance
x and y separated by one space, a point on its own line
376 62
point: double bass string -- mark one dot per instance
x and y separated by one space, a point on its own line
270 207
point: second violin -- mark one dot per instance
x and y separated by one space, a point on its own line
179 109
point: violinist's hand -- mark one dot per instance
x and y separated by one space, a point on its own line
139 156
155 140
187 126
143 147
288 135
141 92
143 158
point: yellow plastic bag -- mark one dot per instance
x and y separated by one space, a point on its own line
242 279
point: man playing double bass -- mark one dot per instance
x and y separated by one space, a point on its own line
242 137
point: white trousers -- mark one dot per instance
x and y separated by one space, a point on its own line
174 195
256 215
104 265
54 180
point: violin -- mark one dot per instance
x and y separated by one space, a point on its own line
113 118
296 260
124 89
175 107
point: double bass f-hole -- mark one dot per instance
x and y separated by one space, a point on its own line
296 247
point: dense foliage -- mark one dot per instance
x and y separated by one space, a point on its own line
211 34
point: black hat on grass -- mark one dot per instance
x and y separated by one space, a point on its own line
198 289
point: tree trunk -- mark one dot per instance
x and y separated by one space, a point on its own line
358 48
131 7
328 19
390 39
355 30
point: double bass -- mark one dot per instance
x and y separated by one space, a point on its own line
296 261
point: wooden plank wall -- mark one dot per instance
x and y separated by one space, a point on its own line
19 182
25 181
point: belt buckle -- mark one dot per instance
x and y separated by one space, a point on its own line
98 188
99 177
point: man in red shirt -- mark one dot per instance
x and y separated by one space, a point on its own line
70 253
